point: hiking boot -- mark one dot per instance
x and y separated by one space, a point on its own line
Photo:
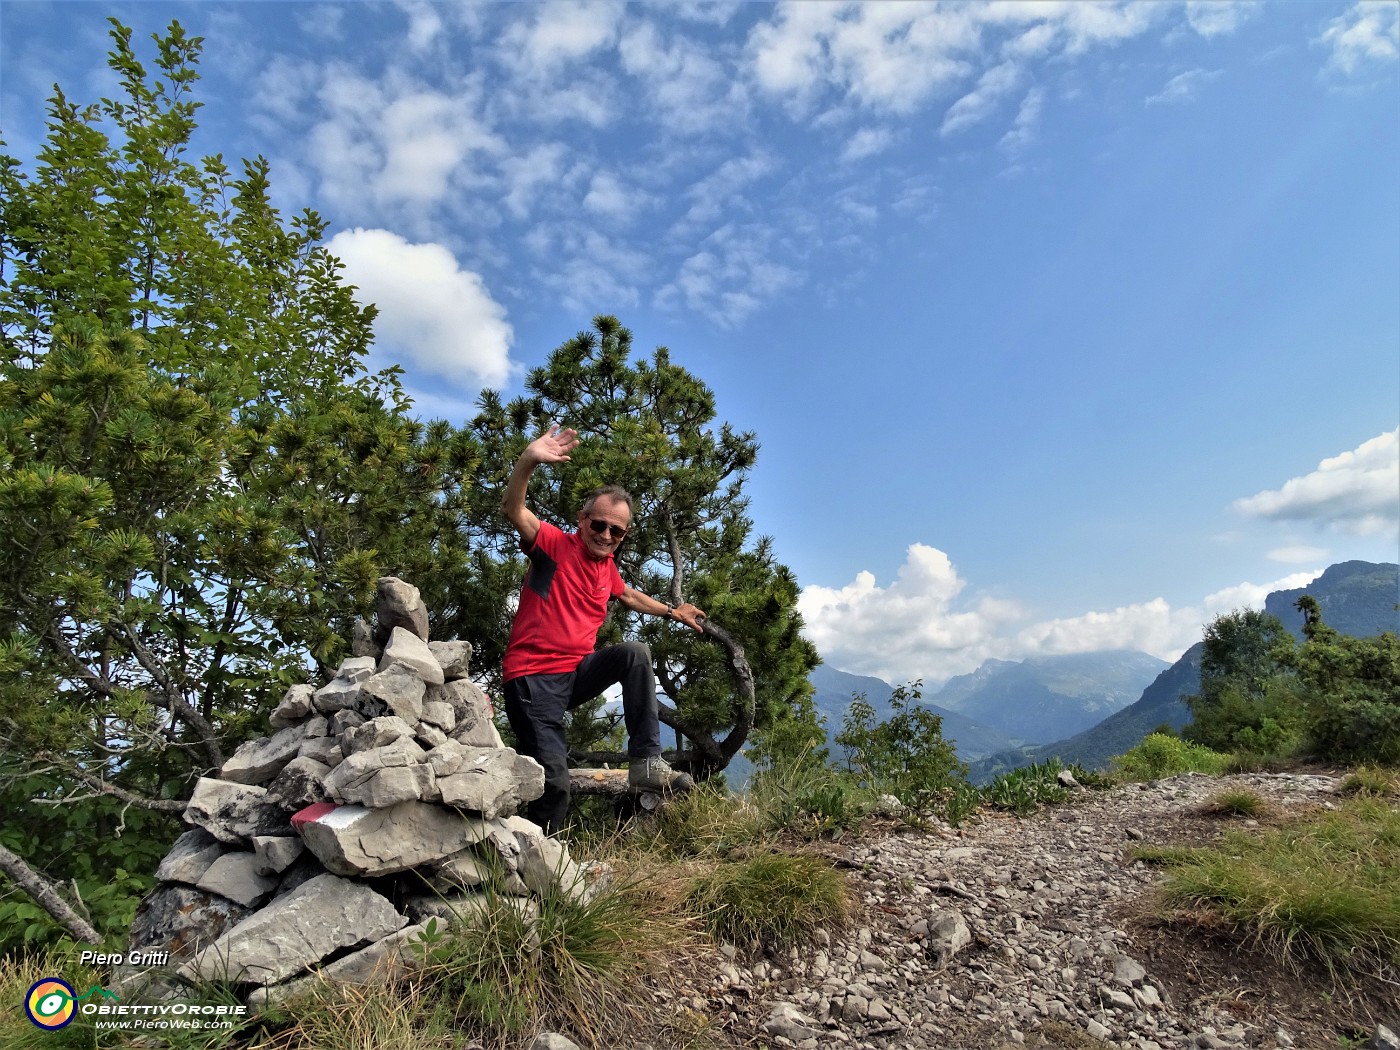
654 774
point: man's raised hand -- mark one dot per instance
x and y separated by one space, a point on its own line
553 446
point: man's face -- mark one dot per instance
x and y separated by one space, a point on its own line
614 514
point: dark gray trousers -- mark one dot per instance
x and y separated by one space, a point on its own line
536 704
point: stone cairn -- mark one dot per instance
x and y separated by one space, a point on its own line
383 800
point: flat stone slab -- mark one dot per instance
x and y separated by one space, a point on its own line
383 961
296 931
356 840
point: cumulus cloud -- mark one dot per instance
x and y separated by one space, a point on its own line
433 314
1367 35
1356 492
922 624
908 629
1152 626
1183 87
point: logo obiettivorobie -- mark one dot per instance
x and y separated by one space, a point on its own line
51 1003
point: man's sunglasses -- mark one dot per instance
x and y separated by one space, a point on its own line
617 532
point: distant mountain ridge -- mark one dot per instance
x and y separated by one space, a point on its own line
1356 597
1045 698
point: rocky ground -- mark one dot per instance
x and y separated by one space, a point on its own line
1039 932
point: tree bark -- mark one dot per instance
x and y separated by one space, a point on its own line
46 895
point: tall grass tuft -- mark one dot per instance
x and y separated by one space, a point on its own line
573 964
1236 802
1327 886
769 899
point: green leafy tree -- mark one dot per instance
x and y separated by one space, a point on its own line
905 755
648 425
1249 699
1351 690
199 481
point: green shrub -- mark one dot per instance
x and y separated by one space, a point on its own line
1164 756
905 756
769 899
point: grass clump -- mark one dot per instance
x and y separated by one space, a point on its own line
361 1017
1373 781
1236 802
515 964
769 899
1327 886
1160 755
707 821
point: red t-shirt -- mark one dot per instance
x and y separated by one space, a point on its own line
562 605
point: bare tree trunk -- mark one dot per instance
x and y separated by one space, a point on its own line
44 892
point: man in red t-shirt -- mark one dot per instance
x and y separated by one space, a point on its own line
550 665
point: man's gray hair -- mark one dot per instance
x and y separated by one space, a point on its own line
615 492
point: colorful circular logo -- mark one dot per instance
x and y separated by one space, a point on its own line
50 1003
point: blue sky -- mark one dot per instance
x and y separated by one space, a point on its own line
1063 326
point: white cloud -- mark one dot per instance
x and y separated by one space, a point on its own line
977 105
424 23
610 198
866 143
388 143
730 277
1152 627
906 630
560 34
1356 492
433 315
1022 130
920 625
527 176
592 272
1367 35
1183 87
723 188
689 90
1212 18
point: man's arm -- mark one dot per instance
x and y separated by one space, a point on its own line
553 446
643 603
